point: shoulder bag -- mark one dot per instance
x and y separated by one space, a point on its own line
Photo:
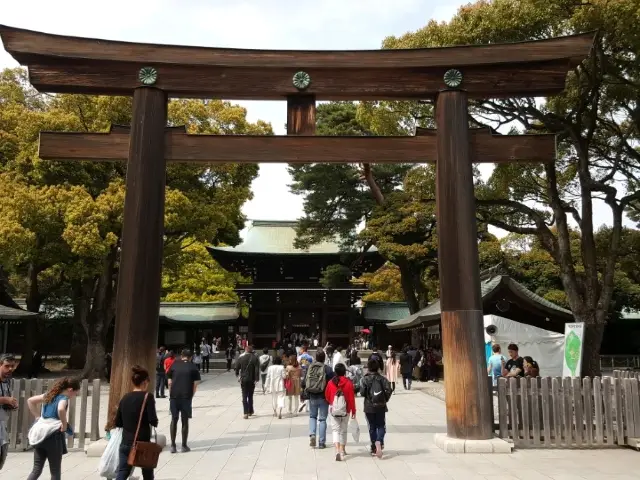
144 454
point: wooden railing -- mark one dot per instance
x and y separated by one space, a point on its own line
21 419
569 412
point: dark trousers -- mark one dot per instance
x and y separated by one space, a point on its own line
229 360
161 378
205 364
124 469
247 397
377 426
406 381
49 450
4 449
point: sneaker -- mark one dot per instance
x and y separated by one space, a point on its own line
322 446
373 449
174 449
378 450
246 416
338 457
312 441
185 449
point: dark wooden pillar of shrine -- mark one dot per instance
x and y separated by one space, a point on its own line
469 410
279 323
252 325
301 115
139 281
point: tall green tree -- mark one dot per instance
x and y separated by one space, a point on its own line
597 123
67 226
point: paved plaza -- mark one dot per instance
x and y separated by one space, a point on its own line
227 447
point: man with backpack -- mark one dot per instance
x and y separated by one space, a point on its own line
265 363
376 391
318 374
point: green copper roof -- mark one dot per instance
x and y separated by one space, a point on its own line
487 287
199 311
385 311
277 237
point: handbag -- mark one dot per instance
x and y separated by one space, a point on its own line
144 454
288 385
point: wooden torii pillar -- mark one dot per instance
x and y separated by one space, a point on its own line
152 73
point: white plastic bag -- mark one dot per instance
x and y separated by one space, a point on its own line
355 429
108 467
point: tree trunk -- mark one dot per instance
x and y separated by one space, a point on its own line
34 301
95 366
593 333
406 280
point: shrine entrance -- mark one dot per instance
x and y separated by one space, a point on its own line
448 76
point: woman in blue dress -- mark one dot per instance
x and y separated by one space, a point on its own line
51 410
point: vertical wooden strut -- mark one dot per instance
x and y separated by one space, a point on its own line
138 301
469 410
301 115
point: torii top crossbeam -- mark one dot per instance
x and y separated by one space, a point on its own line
63 64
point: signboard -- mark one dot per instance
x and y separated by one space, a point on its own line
573 339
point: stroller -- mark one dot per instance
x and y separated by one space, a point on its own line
355 374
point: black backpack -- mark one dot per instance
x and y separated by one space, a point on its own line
377 394
160 363
265 365
316 378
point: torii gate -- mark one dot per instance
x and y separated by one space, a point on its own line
153 73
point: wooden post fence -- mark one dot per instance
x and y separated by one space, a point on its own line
21 420
570 412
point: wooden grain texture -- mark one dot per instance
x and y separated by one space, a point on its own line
138 300
635 399
24 412
535 411
628 407
71 416
608 410
513 410
567 400
619 418
81 433
597 411
26 45
558 409
180 147
95 409
503 419
578 420
547 404
301 115
524 408
587 393
258 83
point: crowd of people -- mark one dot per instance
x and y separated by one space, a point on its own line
516 366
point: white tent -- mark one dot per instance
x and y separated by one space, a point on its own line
544 346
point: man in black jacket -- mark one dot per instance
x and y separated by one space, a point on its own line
376 391
248 374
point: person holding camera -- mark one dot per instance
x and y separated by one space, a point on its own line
7 402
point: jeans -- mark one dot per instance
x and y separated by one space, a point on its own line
318 411
247 396
406 381
4 449
205 364
160 380
377 426
51 450
124 469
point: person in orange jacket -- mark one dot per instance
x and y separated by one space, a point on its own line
340 408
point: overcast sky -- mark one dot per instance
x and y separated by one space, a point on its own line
281 24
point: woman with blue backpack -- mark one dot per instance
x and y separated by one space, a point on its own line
342 403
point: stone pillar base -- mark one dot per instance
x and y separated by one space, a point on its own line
461 445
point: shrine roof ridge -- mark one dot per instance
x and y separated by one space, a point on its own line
28 46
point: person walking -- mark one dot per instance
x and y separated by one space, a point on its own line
391 370
248 374
183 384
293 373
318 374
376 391
161 374
304 359
8 403
275 386
136 407
494 364
230 354
265 363
341 399
406 368
47 435
205 353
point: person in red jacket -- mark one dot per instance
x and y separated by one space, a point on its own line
169 361
340 410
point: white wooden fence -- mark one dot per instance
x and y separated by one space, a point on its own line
569 412
21 419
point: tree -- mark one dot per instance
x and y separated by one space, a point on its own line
597 123
384 285
75 211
